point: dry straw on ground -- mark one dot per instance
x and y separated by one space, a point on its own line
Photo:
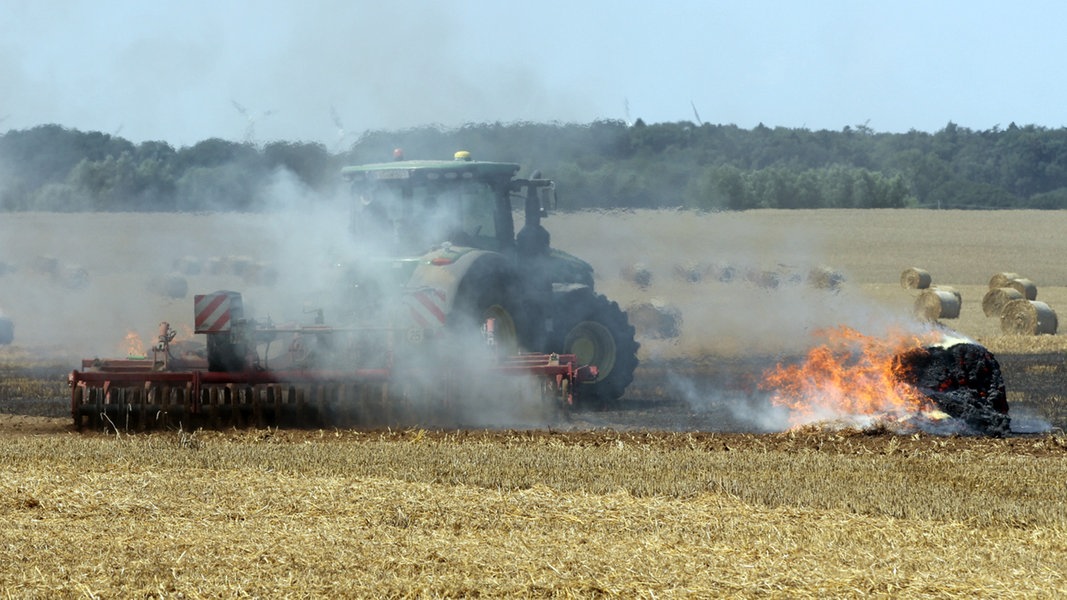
915 278
938 303
1028 317
994 300
339 514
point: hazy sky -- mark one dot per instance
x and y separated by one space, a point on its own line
325 70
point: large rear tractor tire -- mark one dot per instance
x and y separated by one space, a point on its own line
598 332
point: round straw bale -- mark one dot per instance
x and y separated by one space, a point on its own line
172 285
218 265
45 265
655 319
764 279
1001 280
188 265
261 273
938 303
1026 287
724 273
994 300
239 265
74 277
691 272
825 278
1028 317
915 279
637 274
950 290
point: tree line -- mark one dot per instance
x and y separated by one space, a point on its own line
604 164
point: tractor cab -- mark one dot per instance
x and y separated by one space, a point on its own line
414 205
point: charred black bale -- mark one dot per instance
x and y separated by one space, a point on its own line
964 380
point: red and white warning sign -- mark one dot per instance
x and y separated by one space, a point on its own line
427 307
216 312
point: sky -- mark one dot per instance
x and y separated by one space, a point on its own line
326 70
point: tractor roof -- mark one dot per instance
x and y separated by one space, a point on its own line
431 169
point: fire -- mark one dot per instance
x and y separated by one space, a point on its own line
851 377
133 346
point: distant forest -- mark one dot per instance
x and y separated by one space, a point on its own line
605 164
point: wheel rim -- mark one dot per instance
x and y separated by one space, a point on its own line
504 333
592 344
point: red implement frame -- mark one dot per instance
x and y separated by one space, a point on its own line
92 387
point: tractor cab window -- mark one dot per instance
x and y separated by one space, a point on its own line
420 214
476 206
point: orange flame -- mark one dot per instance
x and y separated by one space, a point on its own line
851 376
133 345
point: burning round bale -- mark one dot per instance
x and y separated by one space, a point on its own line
964 380
903 382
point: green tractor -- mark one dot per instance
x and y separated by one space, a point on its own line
447 229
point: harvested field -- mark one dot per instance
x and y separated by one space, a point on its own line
329 514
674 494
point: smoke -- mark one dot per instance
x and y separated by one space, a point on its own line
95 284
746 409
79 283
747 298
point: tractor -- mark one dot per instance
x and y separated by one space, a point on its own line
448 228
439 299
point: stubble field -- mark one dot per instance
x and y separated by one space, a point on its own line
584 510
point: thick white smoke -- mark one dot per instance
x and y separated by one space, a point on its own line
97 285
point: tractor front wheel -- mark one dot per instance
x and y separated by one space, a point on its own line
484 298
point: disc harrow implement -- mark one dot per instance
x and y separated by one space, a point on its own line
172 390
